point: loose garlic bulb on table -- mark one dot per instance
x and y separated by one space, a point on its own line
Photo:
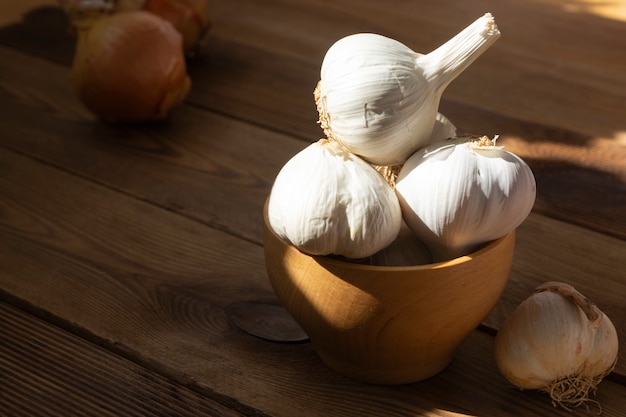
379 98
326 200
458 194
559 342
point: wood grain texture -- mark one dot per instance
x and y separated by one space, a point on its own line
135 240
182 167
247 72
158 294
193 163
48 372
580 181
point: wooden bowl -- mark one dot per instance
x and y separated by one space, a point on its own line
387 325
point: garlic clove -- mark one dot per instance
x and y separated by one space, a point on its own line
559 342
130 67
326 200
405 250
442 130
459 194
379 98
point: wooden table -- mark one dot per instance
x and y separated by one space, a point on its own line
121 247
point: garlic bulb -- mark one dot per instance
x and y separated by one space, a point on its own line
326 200
459 194
442 130
130 67
405 250
379 98
559 342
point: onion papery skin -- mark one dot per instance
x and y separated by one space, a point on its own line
189 17
130 67
550 344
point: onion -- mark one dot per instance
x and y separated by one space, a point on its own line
189 17
559 342
130 67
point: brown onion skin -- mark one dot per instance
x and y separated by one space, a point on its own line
189 17
130 67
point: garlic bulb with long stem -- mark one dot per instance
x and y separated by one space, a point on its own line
130 67
559 342
379 98
458 194
326 201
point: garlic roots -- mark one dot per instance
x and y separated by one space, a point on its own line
326 201
380 99
130 67
459 194
559 342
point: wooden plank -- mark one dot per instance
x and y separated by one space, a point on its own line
536 69
209 167
143 286
133 277
247 71
14 11
47 371
579 180
548 250
539 77
205 181
38 27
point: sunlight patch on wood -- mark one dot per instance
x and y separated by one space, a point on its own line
611 9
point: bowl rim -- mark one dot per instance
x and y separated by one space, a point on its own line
327 260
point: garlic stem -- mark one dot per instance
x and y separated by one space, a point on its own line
592 311
445 63
379 98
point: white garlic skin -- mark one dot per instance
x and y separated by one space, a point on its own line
442 129
548 338
379 98
371 89
326 201
405 250
456 195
